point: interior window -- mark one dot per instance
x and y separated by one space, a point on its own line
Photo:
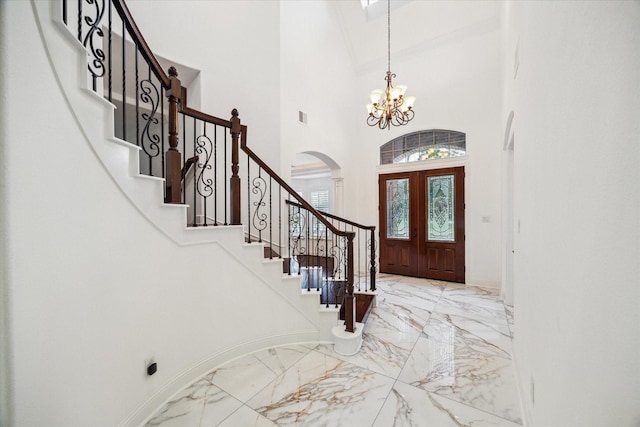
319 199
424 145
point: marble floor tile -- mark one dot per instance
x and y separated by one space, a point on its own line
376 354
509 310
389 336
321 390
471 305
409 406
200 404
246 417
420 295
434 354
244 377
279 359
488 336
476 379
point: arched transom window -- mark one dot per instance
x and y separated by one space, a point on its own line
424 145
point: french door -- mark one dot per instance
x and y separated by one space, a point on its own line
422 224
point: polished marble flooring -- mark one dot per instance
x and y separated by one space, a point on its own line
434 354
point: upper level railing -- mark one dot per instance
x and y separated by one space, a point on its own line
308 239
198 155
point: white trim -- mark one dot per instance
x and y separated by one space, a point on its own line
146 410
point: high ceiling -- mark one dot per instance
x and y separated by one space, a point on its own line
416 25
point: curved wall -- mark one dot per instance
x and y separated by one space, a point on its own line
95 288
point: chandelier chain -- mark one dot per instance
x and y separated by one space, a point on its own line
389 35
390 107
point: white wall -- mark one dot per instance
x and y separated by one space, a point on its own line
456 80
456 84
5 380
93 288
577 148
316 78
236 46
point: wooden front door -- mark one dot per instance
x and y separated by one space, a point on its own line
399 223
422 224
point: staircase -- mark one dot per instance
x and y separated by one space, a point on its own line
202 182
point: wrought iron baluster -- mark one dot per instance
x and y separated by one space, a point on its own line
162 133
358 257
248 200
80 21
204 185
270 221
110 43
260 189
184 154
96 64
147 92
299 245
279 221
309 253
325 275
215 175
195 181
226 199
289 235
124 82
308 234
138 102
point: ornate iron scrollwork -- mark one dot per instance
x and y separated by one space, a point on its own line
297 231
339 254
372 248
148 139
259 188
96 64
204 146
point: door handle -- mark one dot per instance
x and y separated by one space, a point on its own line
414 234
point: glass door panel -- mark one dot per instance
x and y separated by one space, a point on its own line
397 198
441 208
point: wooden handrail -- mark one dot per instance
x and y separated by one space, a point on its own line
177 95
337 218
139 40
283 184
186 110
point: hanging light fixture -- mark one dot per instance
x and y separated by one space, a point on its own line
391 106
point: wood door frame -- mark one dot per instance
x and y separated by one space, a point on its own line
459 244
426 165
400 244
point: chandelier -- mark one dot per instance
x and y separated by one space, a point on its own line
390 107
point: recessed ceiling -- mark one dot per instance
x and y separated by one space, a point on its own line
415 25
307 166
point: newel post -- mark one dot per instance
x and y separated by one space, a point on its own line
173 158
349 314
234 181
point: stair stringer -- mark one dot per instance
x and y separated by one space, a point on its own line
120 160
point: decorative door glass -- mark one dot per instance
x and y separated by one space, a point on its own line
440 208
398 209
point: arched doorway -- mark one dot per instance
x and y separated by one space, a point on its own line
318 179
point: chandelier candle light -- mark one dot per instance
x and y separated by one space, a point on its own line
390 107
